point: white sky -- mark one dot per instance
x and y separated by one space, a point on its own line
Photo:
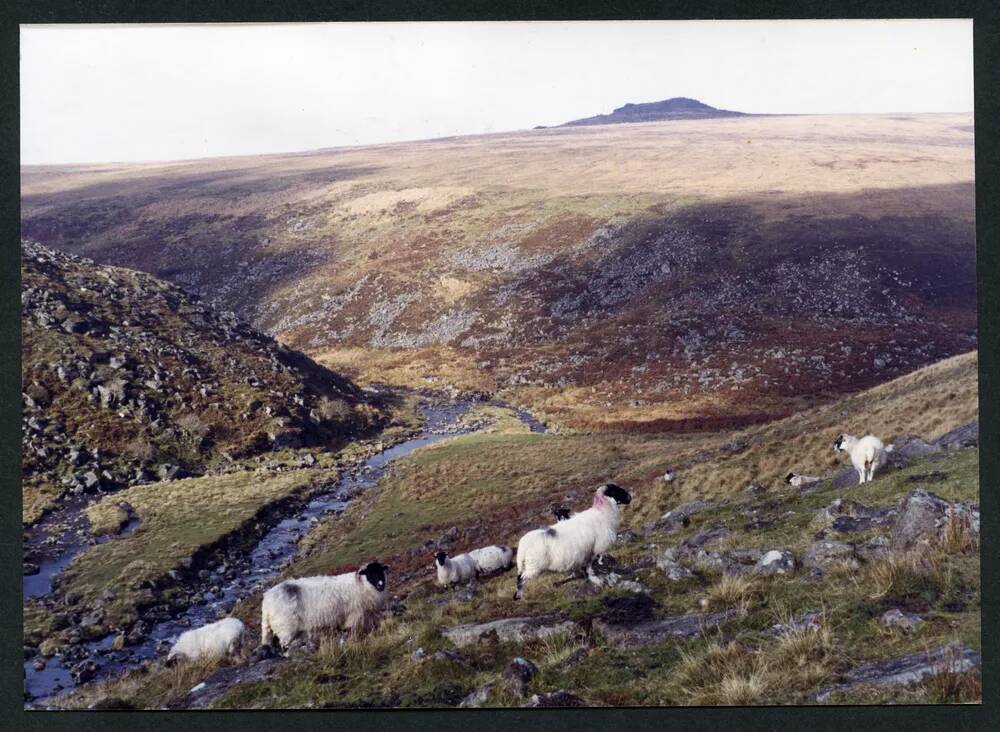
117 93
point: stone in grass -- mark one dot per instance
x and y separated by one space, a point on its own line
510 629
776 561
825 554
675 571
906 622
478 697
907 670
555 699
657 631
808 621
519 674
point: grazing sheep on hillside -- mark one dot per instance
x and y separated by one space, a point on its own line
307 604
867 454
669 476
463 567
571 544
796 480
216 640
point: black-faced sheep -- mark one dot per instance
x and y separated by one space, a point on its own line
347 601
867 453
464 567
797 480
571 544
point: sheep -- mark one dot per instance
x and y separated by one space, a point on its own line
307 604
463 567
571 544
669 476
214 641
561 513
459 568
796 480
867 454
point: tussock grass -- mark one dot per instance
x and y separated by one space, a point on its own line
732 591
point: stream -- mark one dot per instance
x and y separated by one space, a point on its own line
58 538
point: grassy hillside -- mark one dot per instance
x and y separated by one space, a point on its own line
652 276
489 488
128 379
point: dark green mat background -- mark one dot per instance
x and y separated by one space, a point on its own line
987 33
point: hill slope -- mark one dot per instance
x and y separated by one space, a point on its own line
675 108
636 276
128 379
679 614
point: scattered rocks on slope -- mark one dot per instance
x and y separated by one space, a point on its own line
807 621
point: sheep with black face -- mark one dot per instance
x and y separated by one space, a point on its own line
571 544
867 454
476 563
347 601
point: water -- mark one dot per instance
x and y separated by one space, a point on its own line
257 570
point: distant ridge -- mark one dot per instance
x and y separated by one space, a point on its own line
668 109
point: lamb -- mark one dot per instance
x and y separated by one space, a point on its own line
463 567
307 604
796 480
867 454
214 641
571 544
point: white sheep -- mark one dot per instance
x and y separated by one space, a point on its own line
450 571
307 604
463 567
214 641
571 544
668 477
797 480
867 454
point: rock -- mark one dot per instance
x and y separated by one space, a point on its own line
874 549
619 610
510 629
675 571
119 642
262 653
519 674
907 622
680 516
807 621
755 489
704 538
921 518
847 516
824 554
844 478
657 631
555 699
168 471
208 691
907 670
84 671
478 697
961 437
92 618
907 448
450 657
776 561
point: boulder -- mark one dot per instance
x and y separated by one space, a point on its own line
874 549
907 670
510 629
555 699
478 697
776 561
672 568
656 631
519 674
896 618
921 518
824 554
961 437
